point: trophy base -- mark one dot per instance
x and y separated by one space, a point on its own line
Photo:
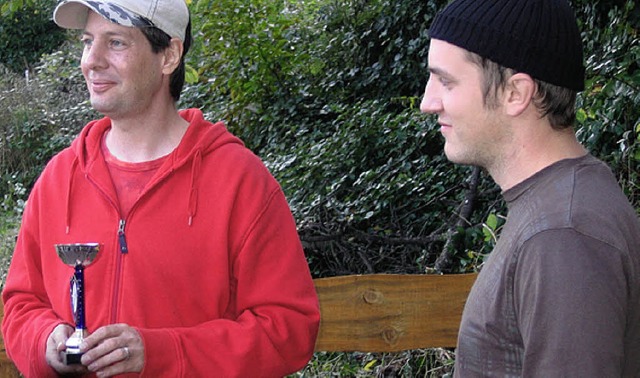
72 355
71 358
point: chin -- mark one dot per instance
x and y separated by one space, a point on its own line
458 158
451 154
101 107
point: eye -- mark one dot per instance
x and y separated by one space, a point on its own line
117 44
86 41
445 82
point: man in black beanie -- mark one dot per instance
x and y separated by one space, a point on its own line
560 293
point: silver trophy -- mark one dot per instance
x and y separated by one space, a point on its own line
78 256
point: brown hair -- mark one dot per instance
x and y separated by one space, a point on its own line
159 41
556 103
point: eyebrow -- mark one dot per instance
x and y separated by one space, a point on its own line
439 71
107 33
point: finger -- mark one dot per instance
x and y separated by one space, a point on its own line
113 363
55 345
55 360
99 336
108 354
61 346
109 332
63 369
100 351
126 352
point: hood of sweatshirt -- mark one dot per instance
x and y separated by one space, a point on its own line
201 138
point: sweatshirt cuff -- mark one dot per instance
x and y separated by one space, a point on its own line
39 365
161 356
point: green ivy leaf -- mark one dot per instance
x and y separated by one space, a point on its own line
492 221
191 75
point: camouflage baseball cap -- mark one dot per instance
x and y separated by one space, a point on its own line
170 16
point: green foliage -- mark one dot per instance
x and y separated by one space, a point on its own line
271 61
419 363
8 231
37 119
370 182
609 114
10 7
26 32
322 90
325 92
372 49
246 55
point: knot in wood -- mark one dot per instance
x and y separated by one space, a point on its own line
390 335
372 296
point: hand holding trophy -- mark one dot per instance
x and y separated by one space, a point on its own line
78 256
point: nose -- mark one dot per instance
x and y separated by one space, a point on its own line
93 57
431 103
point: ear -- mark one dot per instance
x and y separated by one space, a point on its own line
172 56
519 93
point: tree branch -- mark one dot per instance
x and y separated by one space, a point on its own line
444 262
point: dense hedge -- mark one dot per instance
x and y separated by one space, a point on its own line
26 32
329 98
326 92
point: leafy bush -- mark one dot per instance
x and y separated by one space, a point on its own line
247 56
371 49
8 231
367 187
26 32
38 118
419 363
325 92
609 114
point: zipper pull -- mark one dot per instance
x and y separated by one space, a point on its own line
122 240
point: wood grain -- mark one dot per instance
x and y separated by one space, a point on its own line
390 313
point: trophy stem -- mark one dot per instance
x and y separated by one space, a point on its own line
72 354
77 284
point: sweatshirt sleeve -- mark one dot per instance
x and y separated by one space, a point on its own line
274 317
571 294
28 318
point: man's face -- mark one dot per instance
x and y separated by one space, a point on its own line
473 134
123 75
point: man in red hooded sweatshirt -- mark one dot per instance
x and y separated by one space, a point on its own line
200 271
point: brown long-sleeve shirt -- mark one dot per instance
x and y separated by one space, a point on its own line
560 293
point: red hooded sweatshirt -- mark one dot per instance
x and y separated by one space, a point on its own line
207 265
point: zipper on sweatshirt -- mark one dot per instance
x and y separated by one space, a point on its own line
122 239
124 249
122 246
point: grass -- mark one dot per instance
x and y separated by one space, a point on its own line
427 363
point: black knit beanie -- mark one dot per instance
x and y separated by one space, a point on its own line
536 37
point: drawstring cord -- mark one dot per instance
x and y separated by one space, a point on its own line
193 193
74 166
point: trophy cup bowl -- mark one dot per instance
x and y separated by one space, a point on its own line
78 255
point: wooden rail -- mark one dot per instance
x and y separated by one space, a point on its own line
7 368
390 313
375 313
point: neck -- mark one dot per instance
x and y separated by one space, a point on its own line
146 137
535 150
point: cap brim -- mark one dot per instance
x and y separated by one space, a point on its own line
73 14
